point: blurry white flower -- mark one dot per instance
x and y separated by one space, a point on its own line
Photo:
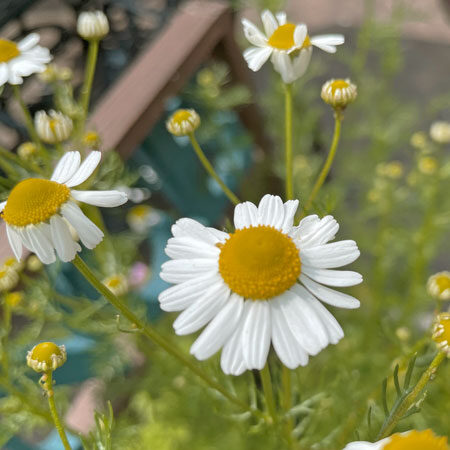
117 284
54 127
22 59
92 25
339 93
438 285
27 150
411 440
141 217
36 208
289 46
258 285
440 132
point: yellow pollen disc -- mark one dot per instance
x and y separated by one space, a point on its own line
417 440
283 37
43 352
8 50
34 201
443 282
114 282
181 115
442 328
259 262
339 84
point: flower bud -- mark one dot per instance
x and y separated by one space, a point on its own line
438 285
92 26
46 356
54 127
91 140
117 284
183 122
441 332
339 93
27 151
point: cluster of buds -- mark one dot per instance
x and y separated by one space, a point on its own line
54 127
92 26
339 93
183 122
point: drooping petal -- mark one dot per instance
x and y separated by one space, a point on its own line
202 310
256 57
219 329
39 243
245 215
65 246
107 199
66 167
256 334
301 62
85 170
271 211
14 241
283 65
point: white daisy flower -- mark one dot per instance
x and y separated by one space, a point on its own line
22 59
38 212
288 45
259 285
411 440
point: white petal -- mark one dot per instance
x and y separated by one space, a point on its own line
281 17
306 225
39 243
256 57
327 256
108 199
66 167
301 62
180 270
179 297
90 235
283 341
330 296
192 228
221 236
256 334
232 358
323 231
65 246
86 169
4 73
269 22
219 329
187 248
338 278
28 42
271 211
328 39
253 34
14 241
364 445
245 215
300 34
290 208
202 310
283 65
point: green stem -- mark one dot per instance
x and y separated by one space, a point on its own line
268 392
53 411
326 168
403 407
91 62
210 169
155 336
287 403
288 140
30 166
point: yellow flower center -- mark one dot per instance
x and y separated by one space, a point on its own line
114 282
34 201
442 329
283 38
259 262
44 351
417 440
12 299
8 50
181 115
339 84
443 282
140 211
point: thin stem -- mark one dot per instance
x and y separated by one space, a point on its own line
155 336
48 377
288 140
326 168
402 408
210 169
91 62
268 392
287 403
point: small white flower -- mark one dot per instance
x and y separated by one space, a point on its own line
412 440
22 59
440 132
259 285
53 127
37 210
289 46
92 25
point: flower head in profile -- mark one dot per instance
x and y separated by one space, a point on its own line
53 127
38 212
411 440
258 285
288 45
21 59
339 93
183 122
92 25
46 356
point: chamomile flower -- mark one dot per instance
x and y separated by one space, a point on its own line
411 440
21 59
38 211
438 285
288 45
259 285
53 127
